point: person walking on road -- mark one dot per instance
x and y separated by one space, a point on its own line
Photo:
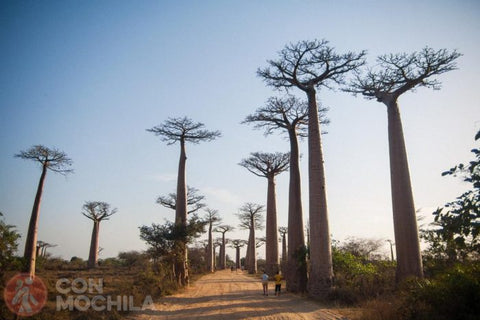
278 283
265 283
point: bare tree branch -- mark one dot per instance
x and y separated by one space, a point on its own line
398 73
53 159
266 164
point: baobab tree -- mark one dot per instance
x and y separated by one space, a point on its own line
290 114
237 244
212 218
183 130
250 216
42 247
283 233
395 75
194 200
223 229
309 65
96 211
269 165
49 159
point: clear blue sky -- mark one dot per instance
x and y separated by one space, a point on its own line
89 77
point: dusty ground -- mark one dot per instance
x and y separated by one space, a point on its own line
233 295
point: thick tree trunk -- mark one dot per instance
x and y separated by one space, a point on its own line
31 241
237 258
223 260
284 252
321 268
271 247
210 258
252 256
93 254
409 260
296 266
181 212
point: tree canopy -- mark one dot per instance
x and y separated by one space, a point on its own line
183 129
52 158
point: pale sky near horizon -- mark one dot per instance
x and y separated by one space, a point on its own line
90 77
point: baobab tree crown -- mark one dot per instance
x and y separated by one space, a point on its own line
266 164
97 211
309 64
183 130
53 159
401 72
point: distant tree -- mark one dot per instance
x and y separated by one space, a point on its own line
456 228
290 115
183 130
42 247
397 74
213 218
237 244
361 247
96 211
309 65
49 159
283 232
269 165
8 244
223 229
250 216
194 200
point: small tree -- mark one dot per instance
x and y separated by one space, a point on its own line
250 216
283 232
456 233
309 65
237 244
96 211
212 217
183 130
397 74
268 165
8 245
49 159
223 229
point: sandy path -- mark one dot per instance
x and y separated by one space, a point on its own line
232 295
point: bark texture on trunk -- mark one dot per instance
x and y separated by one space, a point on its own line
252 255
223 260
321 267
237 257
296 266
31 241
93 254
271 247
210 258
409 260
181 213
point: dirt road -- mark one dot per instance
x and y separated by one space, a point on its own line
232 295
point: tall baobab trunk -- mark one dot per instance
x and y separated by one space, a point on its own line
31 241
284 250
237 257
252 254
271 248
296 273
409 260
321 268
223 261
93 254
181 213
210 251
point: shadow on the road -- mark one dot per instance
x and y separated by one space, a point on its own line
243 306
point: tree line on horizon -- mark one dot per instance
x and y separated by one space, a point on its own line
305 66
